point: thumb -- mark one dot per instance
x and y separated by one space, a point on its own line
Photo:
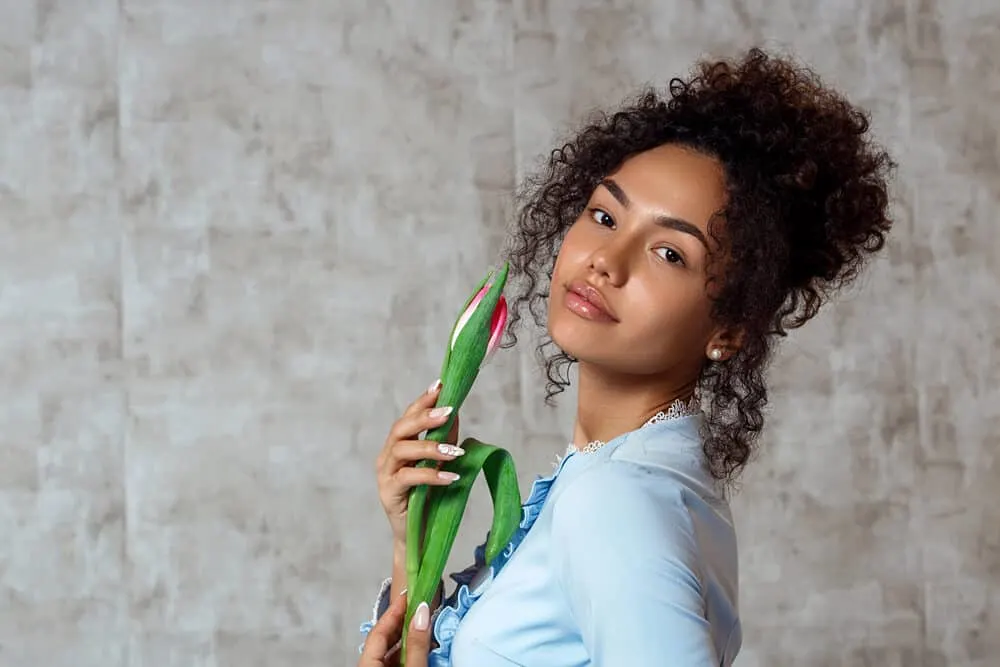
418 637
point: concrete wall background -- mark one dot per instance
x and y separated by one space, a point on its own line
233 237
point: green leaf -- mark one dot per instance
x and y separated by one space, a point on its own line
446 508
457 381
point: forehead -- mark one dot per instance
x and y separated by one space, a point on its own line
676 181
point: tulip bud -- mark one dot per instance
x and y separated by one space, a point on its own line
497 321
497 324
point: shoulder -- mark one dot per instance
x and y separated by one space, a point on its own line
638 503
615 482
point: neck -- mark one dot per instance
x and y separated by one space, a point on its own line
610 404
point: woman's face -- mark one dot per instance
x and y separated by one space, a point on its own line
629 289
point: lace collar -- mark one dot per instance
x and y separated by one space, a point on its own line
677 410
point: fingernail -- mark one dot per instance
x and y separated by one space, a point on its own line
450 450
403 592
422 617
440 412
434 387
449 476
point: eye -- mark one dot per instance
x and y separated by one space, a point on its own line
670 255
602 218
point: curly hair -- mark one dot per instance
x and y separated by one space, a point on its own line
807 204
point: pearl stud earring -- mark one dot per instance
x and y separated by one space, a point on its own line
715 354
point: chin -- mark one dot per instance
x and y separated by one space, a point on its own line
600 348
580 342
559 332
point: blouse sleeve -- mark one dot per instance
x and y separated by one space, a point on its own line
629 566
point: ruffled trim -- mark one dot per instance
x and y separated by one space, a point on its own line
473 582
381 604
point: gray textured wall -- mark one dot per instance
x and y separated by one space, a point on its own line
233 237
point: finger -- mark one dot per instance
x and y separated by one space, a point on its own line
407 478
408 452
418 637
385 635
390 625
408 427
375 649
425 400
395 615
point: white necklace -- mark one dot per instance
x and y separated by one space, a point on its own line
677 409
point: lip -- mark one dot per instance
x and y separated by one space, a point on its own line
587 301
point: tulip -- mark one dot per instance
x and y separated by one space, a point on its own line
474 338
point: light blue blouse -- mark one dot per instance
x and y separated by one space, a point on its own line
625 556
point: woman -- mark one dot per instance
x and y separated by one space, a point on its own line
681 237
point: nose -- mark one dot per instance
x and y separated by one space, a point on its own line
610 261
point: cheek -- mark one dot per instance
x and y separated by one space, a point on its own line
567 256
576 245
678 315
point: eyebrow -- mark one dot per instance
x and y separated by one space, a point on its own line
667 221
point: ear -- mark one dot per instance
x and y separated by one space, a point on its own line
723 344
